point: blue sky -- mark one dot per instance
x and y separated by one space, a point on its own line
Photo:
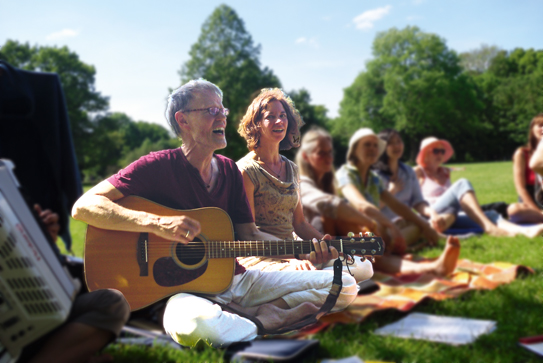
138 47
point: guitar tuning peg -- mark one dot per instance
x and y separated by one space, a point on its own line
350 234
361 234
369 234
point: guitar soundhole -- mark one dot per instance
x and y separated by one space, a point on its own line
192 253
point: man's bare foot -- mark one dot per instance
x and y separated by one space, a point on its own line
273 317
446 263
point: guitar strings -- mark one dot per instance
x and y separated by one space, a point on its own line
239 248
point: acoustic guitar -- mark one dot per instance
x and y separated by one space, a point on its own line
147 268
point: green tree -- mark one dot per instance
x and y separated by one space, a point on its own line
77 78
120 141
226 55
478 60
414 84
109 140
513 95
311 114
137 132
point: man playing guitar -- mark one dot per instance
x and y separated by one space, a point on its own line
190 177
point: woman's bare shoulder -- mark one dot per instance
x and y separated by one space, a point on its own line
519 154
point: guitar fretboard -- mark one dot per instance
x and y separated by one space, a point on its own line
228 249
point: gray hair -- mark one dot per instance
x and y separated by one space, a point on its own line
180 98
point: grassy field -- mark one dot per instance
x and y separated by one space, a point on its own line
517 307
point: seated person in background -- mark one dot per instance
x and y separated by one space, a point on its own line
272 181
448 199
527 210
315 160
95 320
365 191
536 164
190 177
400 180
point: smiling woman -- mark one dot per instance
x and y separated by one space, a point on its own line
272 183
271 180
366 192
449 199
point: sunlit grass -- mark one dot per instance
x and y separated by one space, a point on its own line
517 307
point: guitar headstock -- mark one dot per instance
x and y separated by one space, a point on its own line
367 245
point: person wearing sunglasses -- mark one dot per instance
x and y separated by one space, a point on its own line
400 180
450 199
330 213
365 191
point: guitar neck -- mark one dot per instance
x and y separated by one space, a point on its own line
227 249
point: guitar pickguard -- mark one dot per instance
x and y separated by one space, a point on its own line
168 273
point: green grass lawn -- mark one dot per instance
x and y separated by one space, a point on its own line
517 307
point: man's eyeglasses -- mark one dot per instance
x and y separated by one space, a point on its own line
213 111
438 151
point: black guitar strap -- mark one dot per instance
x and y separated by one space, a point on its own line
329 303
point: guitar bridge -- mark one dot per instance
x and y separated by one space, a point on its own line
142 252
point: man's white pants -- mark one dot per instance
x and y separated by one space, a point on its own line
189 318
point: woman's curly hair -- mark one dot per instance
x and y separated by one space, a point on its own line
249 127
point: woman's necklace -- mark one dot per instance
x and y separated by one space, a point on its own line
276 174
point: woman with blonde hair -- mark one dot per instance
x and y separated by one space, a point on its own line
321 206
321 202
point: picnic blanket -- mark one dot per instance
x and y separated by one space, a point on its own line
405 292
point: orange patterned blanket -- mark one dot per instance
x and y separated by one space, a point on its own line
404 292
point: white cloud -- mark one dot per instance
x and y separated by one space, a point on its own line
367 18
309 41
64 33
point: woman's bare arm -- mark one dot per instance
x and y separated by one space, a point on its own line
519 166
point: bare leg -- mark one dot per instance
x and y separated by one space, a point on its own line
443 266
277 313
471 206
409 231
520 212
448 220
531 231
75 342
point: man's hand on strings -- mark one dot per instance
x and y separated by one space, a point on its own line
178 228
322 252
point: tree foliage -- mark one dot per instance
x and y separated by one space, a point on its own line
119 141
226 55
77 78
513 94
478 60
103 141
414 84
